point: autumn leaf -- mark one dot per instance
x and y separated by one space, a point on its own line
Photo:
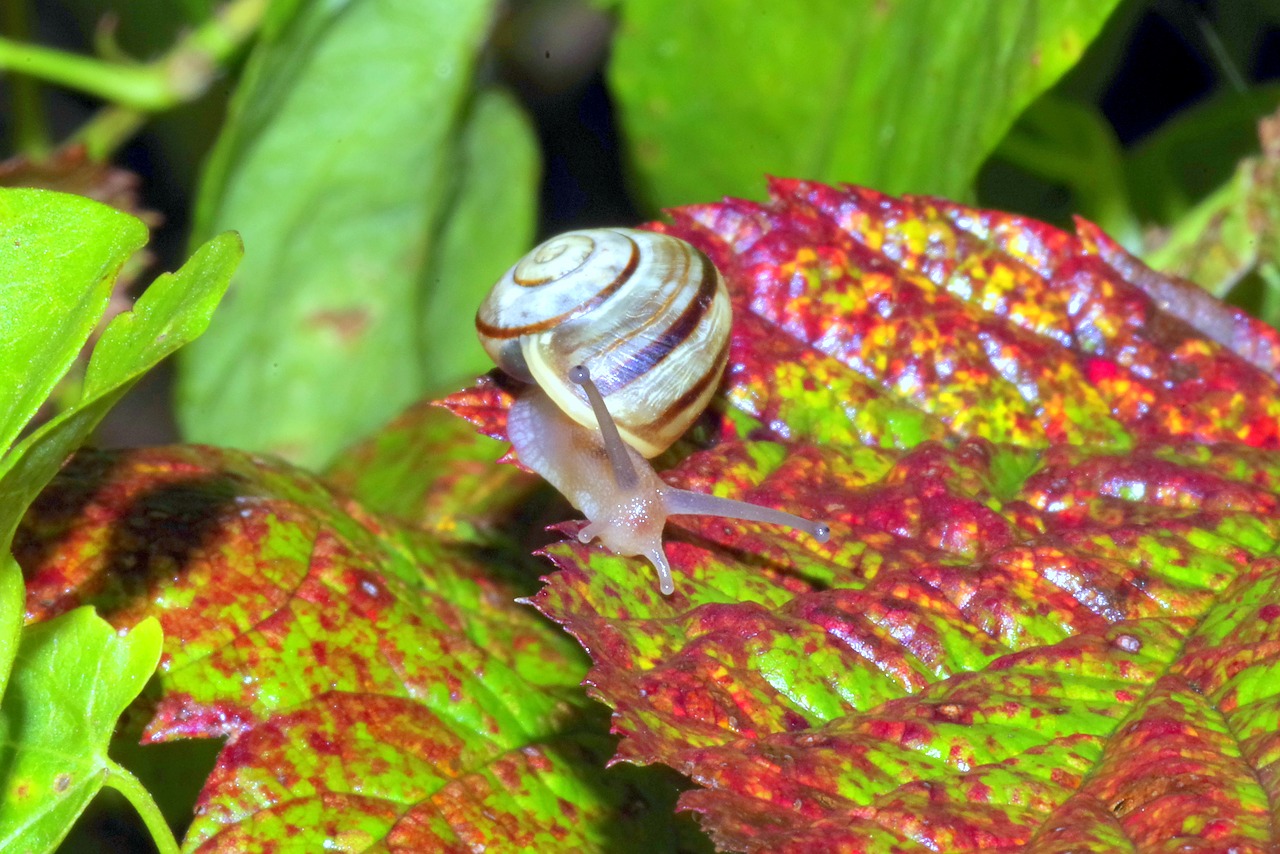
1043 620
433 472
376 684
1047 616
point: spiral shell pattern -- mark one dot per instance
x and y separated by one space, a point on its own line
647 313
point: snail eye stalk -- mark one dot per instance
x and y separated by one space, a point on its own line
598 461
619 459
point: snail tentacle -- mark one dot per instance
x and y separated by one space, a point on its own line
623 471
684 502
622 336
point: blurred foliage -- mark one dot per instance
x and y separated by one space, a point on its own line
891 95
383 187
382 179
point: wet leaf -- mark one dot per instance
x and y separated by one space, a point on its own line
377 684
1046 618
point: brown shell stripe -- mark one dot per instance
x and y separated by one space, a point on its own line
619 351
501 332
679 330
690 397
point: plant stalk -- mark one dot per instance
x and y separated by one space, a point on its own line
181 75
123 781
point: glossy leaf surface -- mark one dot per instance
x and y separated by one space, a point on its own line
364 169
892 94
1046 618
377 685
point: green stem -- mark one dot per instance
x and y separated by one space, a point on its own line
108 130
30 130
179 76
141 86
123 781
1221 56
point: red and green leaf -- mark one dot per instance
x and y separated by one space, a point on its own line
1046 618
1043 620
377 684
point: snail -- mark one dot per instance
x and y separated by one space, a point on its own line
621 337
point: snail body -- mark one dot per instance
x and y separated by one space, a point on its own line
622 336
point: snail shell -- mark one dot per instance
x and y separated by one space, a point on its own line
647 313
625 335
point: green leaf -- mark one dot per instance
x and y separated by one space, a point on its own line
11 614
488 226
66 682
1231 238
370 181
1230 234
1071 145
59 255
904 95
1195 153
173 310
72 678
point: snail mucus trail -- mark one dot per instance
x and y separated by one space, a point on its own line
621 337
